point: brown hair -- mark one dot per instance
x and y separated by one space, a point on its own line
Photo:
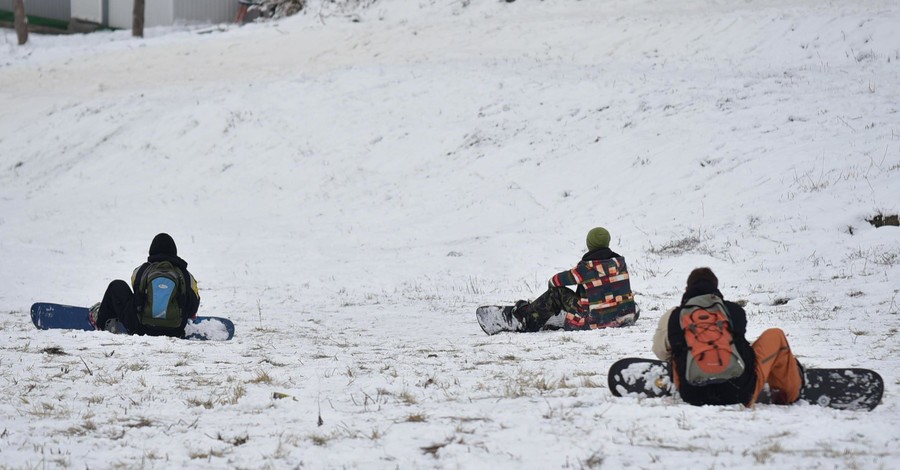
702 276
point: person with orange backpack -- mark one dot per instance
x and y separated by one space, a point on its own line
712 361
164 299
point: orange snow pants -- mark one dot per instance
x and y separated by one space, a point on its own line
777 366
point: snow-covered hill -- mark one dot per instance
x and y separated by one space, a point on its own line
348 185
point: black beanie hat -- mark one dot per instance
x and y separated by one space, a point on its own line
163 244
702 278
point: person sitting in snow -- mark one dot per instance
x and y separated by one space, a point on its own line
768 360
602 299
164 299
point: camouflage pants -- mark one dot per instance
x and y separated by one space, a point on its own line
549 304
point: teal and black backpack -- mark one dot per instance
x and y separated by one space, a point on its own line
163 291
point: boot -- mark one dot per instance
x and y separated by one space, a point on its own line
802 379
93 313
518 315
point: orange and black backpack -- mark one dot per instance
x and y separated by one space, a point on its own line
712 356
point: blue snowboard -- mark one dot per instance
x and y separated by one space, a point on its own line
47 316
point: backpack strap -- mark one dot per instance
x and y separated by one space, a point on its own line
185 285
139 284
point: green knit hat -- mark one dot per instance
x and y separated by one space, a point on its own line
598 237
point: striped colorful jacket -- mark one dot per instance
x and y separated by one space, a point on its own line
604 289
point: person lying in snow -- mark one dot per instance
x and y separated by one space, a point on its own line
165 296
714 364
602 299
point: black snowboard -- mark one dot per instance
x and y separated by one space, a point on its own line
845 389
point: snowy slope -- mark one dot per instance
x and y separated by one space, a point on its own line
348 185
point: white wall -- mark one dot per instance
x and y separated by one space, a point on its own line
156 13
120 12
205 11
88 10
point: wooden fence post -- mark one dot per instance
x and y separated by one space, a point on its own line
137 25
21 21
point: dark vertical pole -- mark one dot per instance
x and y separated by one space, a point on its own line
21 21
137 26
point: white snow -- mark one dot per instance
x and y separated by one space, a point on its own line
207 329
349 185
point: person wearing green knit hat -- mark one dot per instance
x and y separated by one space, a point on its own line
602 298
